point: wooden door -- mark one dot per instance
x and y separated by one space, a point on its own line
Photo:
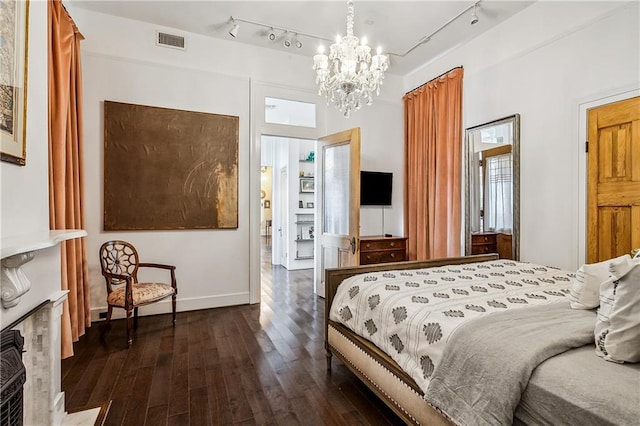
613 182
338 199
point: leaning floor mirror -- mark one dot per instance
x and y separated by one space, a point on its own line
492 188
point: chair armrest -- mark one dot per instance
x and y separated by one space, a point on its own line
156 265
128 280
170 268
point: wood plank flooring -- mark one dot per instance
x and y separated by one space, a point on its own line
242 365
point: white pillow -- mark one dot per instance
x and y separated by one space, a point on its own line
585 292
617 331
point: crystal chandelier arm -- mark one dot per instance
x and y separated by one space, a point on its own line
349 76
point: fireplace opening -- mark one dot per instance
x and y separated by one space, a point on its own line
12 378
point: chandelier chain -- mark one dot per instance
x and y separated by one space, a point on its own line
350 14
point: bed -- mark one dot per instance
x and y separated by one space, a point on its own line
533 352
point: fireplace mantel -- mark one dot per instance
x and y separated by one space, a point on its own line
18 250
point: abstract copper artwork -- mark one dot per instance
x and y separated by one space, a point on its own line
169 169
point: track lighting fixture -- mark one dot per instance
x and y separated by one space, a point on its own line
286 40
271 34
474 15
233 32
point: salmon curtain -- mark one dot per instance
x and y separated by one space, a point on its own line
433 167
66 210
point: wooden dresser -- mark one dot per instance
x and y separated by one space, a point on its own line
379 249
484 242
491 242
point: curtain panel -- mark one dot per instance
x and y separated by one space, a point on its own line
66 181
433 167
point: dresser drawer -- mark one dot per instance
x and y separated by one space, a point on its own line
484 248
382 244
368 258
381 249
483 238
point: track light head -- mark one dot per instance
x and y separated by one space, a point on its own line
233 32
286 40
271 34
474 15
296 42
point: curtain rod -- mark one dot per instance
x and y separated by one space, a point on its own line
435 78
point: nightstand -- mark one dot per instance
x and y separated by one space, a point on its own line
380 249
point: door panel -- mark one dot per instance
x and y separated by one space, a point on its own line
613 182
338 187
614 231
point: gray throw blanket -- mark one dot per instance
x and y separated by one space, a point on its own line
487 363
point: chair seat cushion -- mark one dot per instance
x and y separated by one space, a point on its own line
143 293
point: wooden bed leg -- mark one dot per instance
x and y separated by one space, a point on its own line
329 355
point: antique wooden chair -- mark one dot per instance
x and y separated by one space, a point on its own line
120 262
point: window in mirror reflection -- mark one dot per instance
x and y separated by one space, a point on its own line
498 202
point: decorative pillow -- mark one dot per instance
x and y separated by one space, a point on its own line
585 292
617 330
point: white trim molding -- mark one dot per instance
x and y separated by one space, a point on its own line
183 305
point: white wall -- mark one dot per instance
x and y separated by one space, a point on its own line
25 192
122 63
543 63
382 150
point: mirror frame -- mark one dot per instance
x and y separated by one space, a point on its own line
515 150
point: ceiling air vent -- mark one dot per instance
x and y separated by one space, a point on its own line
170 40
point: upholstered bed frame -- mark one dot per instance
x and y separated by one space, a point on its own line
372 366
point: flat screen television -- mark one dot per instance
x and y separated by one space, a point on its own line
375 188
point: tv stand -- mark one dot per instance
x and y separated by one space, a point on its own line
382 249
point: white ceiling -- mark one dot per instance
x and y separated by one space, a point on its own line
394 24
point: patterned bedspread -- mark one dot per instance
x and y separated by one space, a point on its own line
411 314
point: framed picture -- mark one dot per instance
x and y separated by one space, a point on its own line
307 184
309 205
14 28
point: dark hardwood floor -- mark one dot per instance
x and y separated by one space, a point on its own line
251 364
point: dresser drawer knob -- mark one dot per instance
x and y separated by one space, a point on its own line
393 255
392 244
368 257
368 245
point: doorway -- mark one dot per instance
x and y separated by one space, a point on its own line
284 113
291 200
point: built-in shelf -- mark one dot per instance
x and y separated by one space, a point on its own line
304 229
307 161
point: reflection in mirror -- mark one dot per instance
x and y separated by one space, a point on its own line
492 188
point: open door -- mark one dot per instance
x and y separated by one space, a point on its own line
338 203
613 181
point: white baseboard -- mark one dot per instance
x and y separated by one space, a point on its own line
182 305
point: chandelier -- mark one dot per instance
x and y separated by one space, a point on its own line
349 76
